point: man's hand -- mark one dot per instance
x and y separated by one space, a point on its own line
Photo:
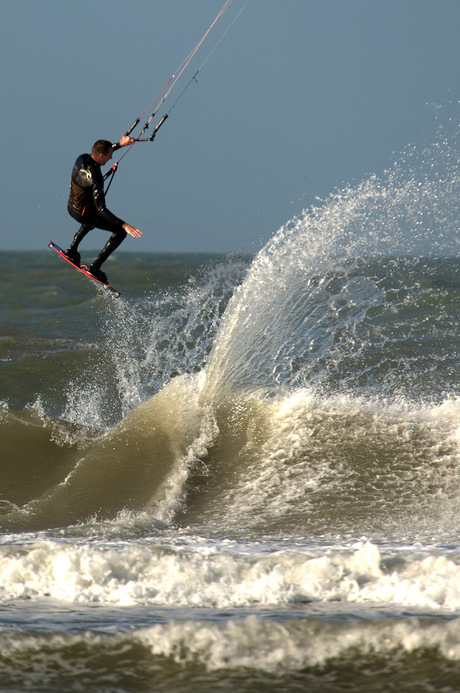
135 233
125 140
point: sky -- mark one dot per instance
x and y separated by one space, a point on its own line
299 98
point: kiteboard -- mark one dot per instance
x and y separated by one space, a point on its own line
82 268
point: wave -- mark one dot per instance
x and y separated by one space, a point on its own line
246 654
297 463
138 463
303 465
152 573
315 612
316 393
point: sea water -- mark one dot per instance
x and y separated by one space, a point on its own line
243 474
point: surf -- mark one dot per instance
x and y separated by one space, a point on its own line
305 295
258 392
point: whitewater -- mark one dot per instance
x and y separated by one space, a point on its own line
244 472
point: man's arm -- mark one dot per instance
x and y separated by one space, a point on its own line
97 189
124 142
131 230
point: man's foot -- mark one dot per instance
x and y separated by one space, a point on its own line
73 255
98 273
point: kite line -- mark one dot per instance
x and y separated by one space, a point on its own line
168 87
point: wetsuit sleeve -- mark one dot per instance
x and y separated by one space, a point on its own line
99 203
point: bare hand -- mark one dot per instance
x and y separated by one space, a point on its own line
135 233
125 140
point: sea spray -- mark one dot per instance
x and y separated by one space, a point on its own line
310 534
167 332
327 308
306 297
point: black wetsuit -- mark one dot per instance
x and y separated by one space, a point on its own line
87 205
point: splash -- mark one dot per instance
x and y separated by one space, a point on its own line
345 306
148 342
306 295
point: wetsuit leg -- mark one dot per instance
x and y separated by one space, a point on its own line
79 236
112 244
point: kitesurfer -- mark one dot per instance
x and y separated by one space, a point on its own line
87 204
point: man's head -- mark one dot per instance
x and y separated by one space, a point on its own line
102 151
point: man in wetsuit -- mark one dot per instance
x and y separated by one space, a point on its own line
87 204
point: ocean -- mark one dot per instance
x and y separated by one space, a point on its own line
242 474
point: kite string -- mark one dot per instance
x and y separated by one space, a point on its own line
223 35
192 54
209 54
177 75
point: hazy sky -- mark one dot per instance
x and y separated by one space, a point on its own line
299 98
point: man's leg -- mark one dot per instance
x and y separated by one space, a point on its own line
112 244
72 251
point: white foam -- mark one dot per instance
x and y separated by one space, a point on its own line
209 575
291 646
318 464
250 643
